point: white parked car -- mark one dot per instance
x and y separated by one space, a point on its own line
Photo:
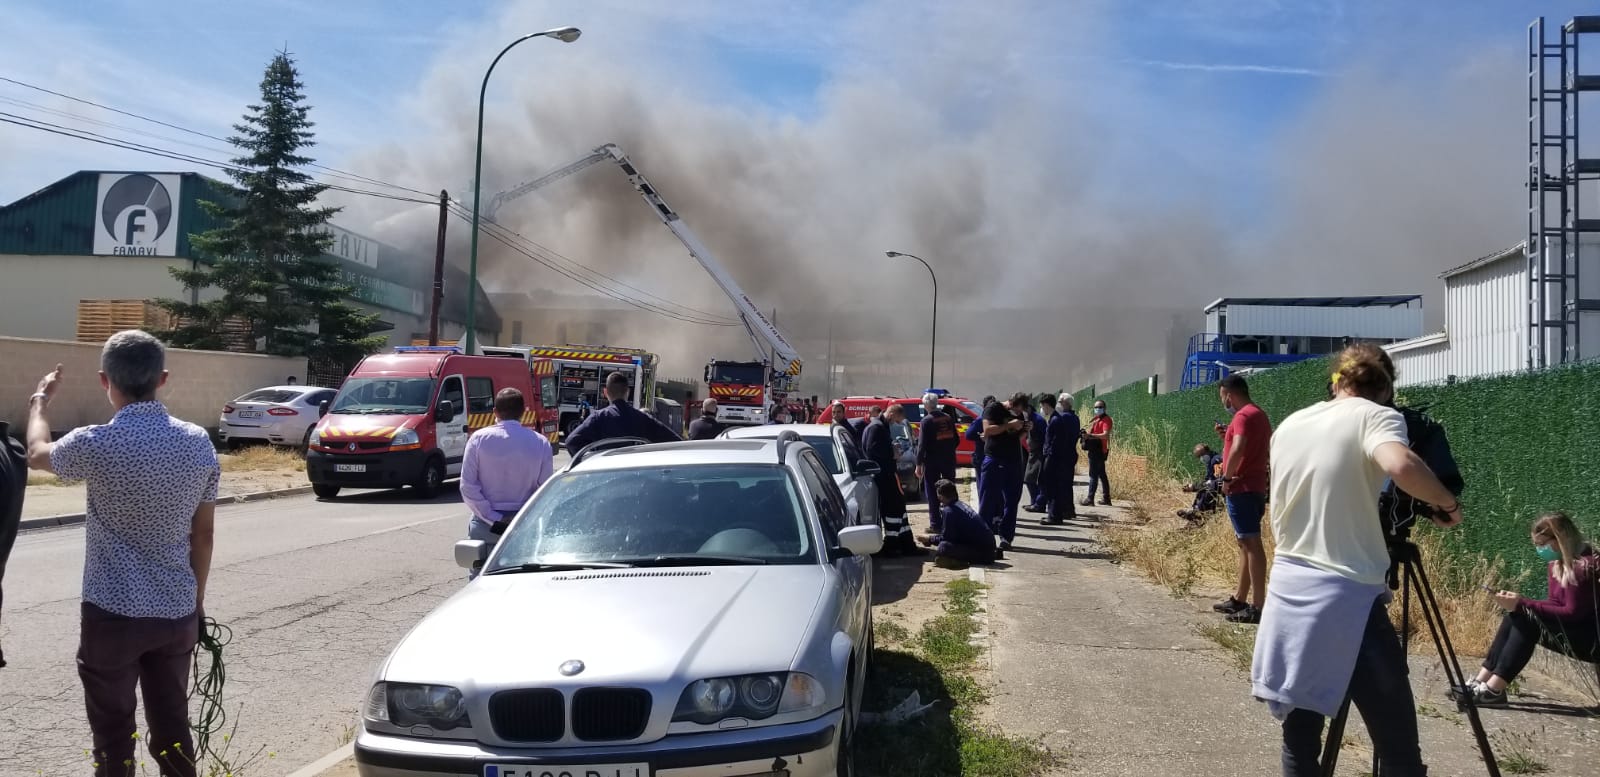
281 415
697 608
839 453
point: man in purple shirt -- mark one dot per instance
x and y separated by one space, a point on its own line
503 465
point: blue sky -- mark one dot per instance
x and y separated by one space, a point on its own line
1188 92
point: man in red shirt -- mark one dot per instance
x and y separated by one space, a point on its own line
1245 446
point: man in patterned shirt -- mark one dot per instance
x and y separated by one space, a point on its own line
152 490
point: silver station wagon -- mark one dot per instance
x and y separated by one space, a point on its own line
699 608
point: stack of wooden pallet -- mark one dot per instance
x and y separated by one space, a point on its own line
99 319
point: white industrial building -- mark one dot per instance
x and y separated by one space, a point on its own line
1249 333
1488 321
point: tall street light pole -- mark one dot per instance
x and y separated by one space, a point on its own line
933 336
563 34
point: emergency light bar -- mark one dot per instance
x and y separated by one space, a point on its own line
937 391
428 349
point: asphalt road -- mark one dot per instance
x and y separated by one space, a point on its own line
316 594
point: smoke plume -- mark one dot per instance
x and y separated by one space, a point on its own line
994 140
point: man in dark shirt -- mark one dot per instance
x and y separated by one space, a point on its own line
1004 425
1207 489
878 440
975 436
706 427
1033 471
959 537
936 451
618 419
836 414
1061 461
13 485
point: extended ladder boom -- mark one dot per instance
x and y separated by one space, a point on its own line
761 330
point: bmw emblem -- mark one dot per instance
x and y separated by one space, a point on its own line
351 447
570 668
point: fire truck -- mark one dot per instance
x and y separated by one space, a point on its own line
576 374
744 390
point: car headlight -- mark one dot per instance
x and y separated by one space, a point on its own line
406 439
755 696
315 438
405 705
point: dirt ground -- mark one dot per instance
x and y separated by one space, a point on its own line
249 472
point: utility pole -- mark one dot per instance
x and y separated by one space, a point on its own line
438 270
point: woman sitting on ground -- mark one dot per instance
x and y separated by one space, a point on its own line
1568 622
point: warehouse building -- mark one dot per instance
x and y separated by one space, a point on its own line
1251 333
86 255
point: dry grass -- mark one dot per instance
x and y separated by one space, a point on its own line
37 478
1186 560
263 458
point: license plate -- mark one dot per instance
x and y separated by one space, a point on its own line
349 468
601 770
249 413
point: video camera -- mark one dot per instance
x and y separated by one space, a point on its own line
1399 510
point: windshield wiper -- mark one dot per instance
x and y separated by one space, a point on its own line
572 567
695 561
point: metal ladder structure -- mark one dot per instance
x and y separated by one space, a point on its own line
1557 215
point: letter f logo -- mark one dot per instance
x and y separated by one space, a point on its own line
135 224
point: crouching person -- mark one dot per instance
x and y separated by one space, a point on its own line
1207 489
960 538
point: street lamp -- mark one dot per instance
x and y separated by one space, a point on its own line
563 34
933 336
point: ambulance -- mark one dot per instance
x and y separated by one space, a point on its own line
403 418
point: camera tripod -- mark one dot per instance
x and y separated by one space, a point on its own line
1406 573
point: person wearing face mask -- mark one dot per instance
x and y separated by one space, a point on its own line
1566 622
1097 444
1244 482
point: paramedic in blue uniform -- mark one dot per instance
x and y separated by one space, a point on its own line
975 435
618 419
1004 426
937 441
1061 461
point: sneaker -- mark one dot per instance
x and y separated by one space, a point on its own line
1033 508
1087 501
1483 697
1247 615
1105 502
945 562
1051 522
1229 606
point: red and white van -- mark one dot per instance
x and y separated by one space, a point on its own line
403 418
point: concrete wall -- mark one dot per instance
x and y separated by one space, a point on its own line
200 382
39 295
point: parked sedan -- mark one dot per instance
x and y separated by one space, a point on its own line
281 415
695 609
839 453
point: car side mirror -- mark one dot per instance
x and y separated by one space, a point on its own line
860 540
868 468
322 408
446 412
471 553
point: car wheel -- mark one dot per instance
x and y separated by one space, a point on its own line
325 490
432 479
845 753
305 442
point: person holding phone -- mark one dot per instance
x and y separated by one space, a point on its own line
1566 622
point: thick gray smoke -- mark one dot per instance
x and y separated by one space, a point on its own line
966 134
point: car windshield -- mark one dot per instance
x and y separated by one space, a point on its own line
276 396
384 395
685 516
747 374
973 408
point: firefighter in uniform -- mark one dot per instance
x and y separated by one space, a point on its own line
618 419
1061 461
936 451
879 443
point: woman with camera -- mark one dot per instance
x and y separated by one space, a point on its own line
1325 632
1568 622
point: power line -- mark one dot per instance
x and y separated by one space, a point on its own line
197 133
497 233
95 137
554 255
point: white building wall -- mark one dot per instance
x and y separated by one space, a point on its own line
1421 360
1486 319
1387 323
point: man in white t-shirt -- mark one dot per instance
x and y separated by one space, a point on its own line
1325 632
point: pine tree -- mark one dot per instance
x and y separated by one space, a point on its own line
267 258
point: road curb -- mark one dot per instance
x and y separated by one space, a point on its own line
326 762
73 519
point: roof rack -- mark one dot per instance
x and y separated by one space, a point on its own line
600 446
784 438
